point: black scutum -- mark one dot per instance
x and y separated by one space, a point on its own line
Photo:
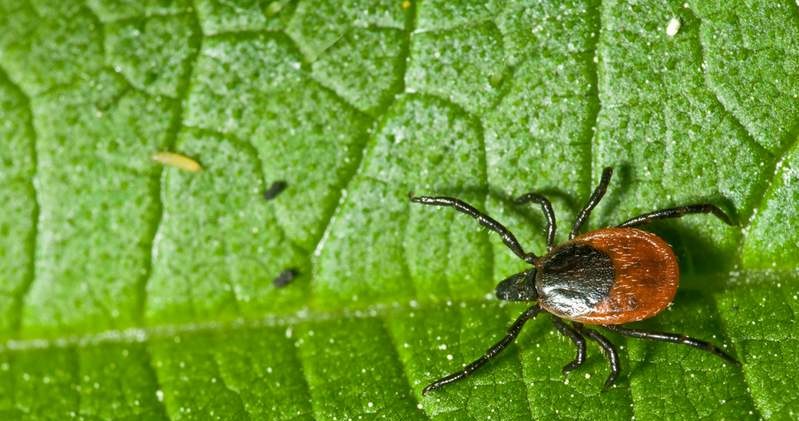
573 279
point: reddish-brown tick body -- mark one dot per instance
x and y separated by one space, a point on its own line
609 276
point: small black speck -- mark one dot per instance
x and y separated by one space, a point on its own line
285 278
275 189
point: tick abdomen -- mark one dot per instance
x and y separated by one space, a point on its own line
609 276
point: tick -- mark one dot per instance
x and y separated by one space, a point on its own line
603 278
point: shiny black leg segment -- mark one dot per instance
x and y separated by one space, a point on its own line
674 338
507 237
578 340
677 213
610 352
513 332
599 191
546 207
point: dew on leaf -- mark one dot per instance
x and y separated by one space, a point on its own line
673 26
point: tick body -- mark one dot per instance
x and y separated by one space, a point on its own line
603 278
608 276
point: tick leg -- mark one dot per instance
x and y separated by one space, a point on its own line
492 352
546 207
610 352
507 237
578 340
677 213
674 338
599 191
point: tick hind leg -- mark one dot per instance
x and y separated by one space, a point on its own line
677 212
492 352
599 191
578 340
674 338
608 349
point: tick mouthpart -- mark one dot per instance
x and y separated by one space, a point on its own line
518 287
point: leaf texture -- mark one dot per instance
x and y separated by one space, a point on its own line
134 291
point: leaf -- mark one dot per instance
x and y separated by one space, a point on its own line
130 290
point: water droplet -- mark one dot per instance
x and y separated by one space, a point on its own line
673 27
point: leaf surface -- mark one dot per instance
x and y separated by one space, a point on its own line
130 290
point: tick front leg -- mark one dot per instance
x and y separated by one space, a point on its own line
578 340
507 237
492 352
599 191
546 207
610 352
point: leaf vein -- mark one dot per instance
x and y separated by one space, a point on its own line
26 287
596 105
149 366
174 130
218 367
403 367
711 87
379 113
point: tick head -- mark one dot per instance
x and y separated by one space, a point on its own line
518 287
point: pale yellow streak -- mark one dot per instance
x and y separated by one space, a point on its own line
178 161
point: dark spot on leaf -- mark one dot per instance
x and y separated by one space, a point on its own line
285 278
275 189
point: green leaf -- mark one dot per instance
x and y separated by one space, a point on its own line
129 290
